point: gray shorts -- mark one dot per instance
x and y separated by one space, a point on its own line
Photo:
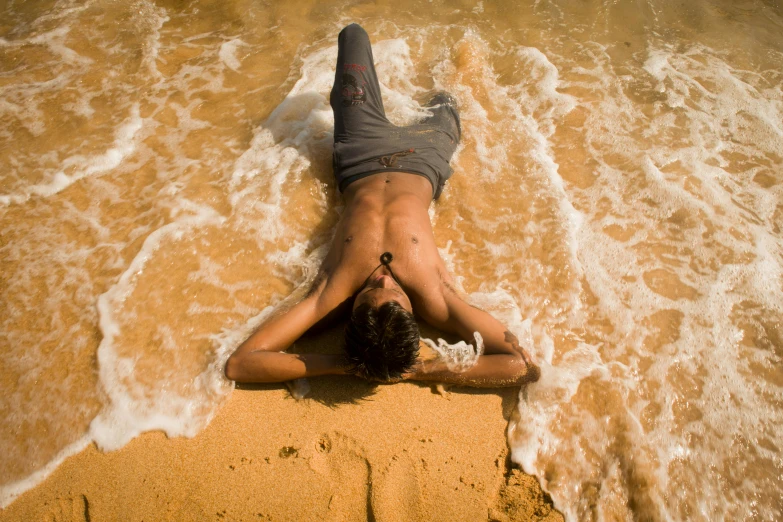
365 142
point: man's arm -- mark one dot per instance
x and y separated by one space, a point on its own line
259 358
504 362
490 371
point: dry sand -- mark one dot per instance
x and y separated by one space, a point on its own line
350 451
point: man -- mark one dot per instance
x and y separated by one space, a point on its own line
383 263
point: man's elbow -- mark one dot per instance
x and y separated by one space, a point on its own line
233 368
533 374
255 367
527 372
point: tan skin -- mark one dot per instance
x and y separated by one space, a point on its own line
386 212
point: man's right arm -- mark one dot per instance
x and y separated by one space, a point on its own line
260 359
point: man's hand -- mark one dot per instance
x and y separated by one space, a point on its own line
529 360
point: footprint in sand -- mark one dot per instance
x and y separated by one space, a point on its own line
70 510
396 492
342 461
361 493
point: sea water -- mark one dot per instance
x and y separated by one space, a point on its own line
165 180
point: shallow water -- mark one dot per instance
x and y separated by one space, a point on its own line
166 178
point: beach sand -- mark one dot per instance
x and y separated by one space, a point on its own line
349 451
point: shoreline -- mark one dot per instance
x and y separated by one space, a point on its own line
335 456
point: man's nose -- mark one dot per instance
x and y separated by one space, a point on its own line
386 281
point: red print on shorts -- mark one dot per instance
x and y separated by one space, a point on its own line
353 91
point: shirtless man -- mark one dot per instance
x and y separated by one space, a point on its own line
383 263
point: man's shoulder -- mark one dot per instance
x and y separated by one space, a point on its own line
333 284
330 300
432 301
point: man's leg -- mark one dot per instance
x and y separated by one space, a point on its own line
436 138
445 115
356 93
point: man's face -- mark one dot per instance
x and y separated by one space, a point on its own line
380 289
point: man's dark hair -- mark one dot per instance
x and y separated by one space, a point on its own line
382 343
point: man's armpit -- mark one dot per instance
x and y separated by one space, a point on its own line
316 283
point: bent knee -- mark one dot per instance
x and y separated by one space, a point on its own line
353 32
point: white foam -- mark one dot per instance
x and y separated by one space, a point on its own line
301 125
125 416
9 492
81 167
707 351
460 356
549 105
153 17
541 410
28 113
54 40
393 65
228 53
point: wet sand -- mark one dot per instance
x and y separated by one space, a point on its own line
349 451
